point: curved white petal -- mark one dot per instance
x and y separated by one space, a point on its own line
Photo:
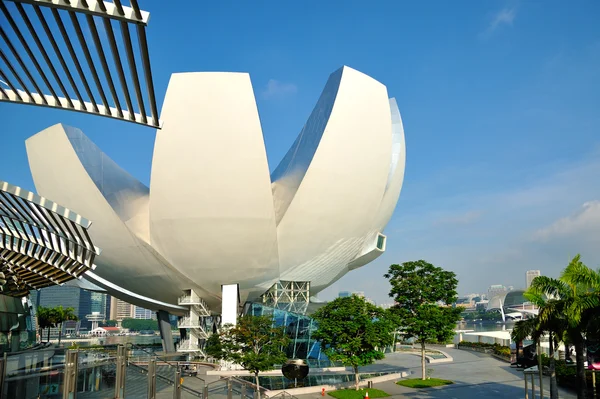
59 174
211 205
333 208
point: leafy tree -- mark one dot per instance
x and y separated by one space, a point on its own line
423 293
354 332
254 343
214 347
62 315
140 324
108 323
47 319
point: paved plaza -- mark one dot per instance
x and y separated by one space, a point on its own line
475 375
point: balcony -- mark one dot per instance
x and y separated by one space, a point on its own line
189 322
188 345
189 300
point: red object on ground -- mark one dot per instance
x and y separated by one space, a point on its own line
323 392
367 395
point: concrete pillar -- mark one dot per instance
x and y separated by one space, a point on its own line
164 325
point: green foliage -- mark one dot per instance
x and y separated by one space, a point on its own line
214 347
569 310
422 292
499 350
419 383
108 323
140 324
54 317
254 343
353 331
360 394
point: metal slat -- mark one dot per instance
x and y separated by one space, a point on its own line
43 51
63 32
100 50
117 58
7 80
88 57
136 8
147 72
58 53
133 70
37 65
20 61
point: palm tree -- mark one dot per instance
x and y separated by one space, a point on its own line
62 316
573 303
47 319
551 322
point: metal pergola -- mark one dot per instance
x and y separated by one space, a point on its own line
77 55
41 243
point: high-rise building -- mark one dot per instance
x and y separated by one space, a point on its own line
120 310
531 274
98 303
68 297
141 313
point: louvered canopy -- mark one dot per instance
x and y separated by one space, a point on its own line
41 242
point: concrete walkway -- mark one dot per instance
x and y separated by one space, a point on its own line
475 375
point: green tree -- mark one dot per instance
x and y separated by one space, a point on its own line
108 323
139 324
46 319
62 315
254 343
214 347
423 293
354 332
550 320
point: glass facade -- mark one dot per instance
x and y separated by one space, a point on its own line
299 329
17 330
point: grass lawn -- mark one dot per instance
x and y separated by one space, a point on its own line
419 383
360 394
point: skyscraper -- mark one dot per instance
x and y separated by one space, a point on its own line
68 297
531 274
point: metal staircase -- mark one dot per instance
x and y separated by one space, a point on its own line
197 321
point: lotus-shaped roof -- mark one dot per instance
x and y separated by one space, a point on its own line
213 213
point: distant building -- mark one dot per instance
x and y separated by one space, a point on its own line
344 294
496 290
120 310
530 275
68 297
141 313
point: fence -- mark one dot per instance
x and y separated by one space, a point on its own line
127 372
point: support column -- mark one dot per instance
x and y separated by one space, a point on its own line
230 303
164 325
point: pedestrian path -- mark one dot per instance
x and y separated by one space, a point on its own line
475 375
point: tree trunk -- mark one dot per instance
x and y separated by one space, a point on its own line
356 380
59 333
48 334
257 385
551 366
582 385
423 371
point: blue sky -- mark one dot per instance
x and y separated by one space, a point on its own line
500 102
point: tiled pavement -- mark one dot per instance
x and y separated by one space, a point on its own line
475 375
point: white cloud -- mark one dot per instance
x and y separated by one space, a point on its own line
506 16
586 220
275 88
